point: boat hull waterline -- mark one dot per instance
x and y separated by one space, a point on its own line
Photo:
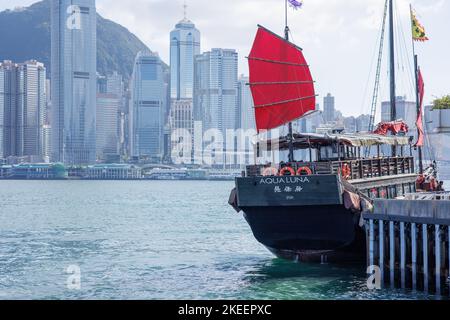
302 218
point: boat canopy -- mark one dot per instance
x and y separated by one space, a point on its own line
394 127
313 140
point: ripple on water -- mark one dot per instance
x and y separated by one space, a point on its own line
149 240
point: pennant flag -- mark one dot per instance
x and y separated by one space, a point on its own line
418 31
296 4
419 123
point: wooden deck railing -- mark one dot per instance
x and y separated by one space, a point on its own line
359 169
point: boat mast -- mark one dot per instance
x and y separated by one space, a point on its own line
392 67
416 72
291 132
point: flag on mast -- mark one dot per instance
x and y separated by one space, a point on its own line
296 4
418 30
419 123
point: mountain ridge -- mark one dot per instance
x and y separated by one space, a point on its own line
28 37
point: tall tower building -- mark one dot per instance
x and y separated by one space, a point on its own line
74 64
406 111
146 116
329 109
216 98
114 84
2 115
108 106
245 105
22 110
184 46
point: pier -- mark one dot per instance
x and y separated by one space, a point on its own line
408 240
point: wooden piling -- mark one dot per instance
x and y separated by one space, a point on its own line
381 244
371 243
425 256
392 252
402 255
414 255
437 255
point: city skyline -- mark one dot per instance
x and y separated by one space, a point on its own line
204 88
357 26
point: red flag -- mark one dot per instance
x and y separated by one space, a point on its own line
419 123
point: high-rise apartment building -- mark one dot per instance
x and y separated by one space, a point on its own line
246 112
23 105
216 89
108 106
329 108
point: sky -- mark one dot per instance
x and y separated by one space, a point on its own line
339 38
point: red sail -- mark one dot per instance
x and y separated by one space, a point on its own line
280 80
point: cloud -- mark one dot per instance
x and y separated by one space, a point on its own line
338 37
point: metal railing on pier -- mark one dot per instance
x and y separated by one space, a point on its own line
409 241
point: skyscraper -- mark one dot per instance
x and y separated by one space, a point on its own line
184 46
74 63
22 110
101 84
114 84
329 108
406 111
363 123
216 92
108 106
246 110
147 107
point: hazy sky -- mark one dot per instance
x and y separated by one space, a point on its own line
339 38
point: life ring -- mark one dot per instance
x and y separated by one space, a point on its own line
346 171
306 170
270 172
287 170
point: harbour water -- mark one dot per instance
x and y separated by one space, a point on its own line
150 240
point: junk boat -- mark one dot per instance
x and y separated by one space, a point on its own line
310 211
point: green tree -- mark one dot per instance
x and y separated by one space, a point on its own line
442 103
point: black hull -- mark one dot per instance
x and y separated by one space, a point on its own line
319 234
306 219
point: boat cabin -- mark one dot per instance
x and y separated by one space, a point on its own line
355 156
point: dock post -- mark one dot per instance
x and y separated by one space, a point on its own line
371 243
438 258
402 255
381 235
414 255
425 256
392 252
